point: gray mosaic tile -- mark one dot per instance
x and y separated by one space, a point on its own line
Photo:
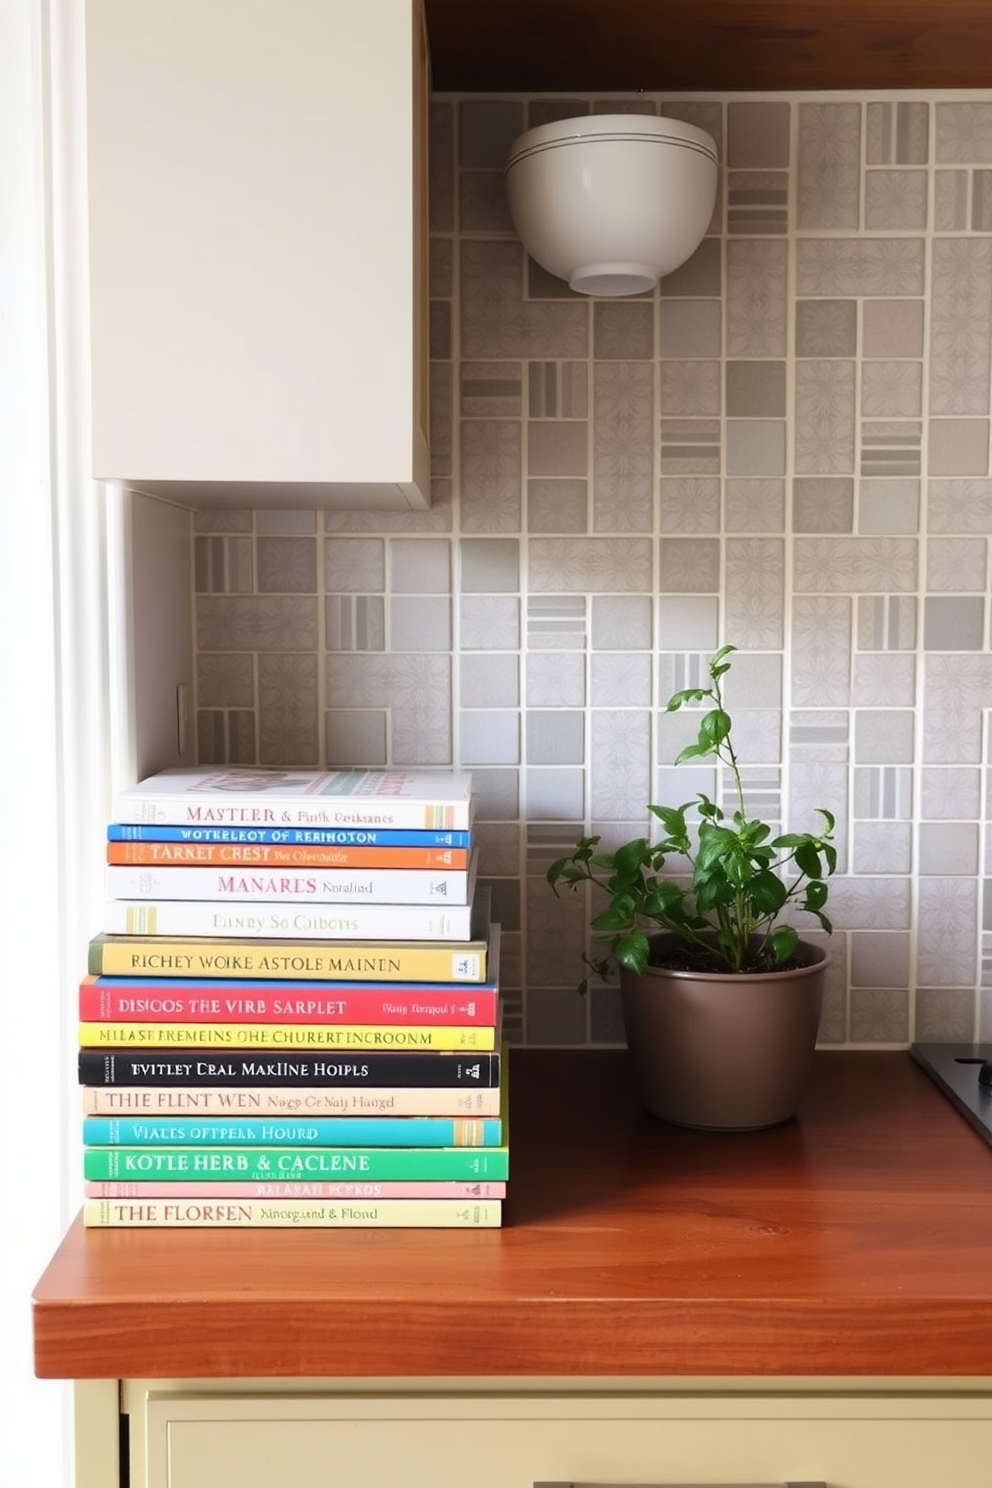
892 390
879 1015
491 461
689 328
960 330
700 276
620 762
355 622
826 328
897 133
822 504
896 199
286 521
441 167
580 565
757 299
489 565
482 202
954 624
225 680
828 175
948 848
956 689
554 736
223 565
860 266
948 793
945 1014
758 134
880 958
419 623
754 505
555 681
286 565
354 565
758 203
888 505
621 622
887 622
690 445
690 389
950 200
948 923
487 129
958 446
557 448
256 623
491 389
883 678
623 330
558 390
881 847
821 649
755 447
552 793
557 506
755 389
688 504
824 417
754 592
489 737
963 132
959 506
356 737
489 681
884 792
620 679
623 455
892 328
855 565
957 564
288 728
688 565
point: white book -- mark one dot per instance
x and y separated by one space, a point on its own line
287 921
288 884
252 796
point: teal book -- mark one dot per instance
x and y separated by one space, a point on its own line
198 1130
300 1164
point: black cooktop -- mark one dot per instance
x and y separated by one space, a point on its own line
964 1073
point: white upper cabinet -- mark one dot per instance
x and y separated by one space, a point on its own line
257 208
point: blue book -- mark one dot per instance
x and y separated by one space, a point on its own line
293 1131
291 836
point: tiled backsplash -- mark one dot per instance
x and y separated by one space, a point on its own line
786 447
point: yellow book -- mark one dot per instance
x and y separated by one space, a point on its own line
153 1035
184 1213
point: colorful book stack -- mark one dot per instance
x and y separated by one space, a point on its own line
292 1017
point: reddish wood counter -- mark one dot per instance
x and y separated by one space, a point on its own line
856 1240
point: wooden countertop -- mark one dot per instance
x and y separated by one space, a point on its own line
855 1240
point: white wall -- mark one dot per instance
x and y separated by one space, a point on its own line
51 609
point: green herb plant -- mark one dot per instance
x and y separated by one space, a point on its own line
727 912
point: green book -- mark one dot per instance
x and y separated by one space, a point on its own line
299 1164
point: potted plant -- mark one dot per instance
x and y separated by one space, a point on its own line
721 997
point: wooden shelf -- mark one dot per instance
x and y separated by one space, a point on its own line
851 1241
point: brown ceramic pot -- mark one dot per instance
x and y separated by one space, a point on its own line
719 1051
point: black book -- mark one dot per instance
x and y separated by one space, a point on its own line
352 1069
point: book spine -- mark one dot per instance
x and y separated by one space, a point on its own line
221 1036
289 836
273 960
100 1100
263 885
148 1068
317 806
292 1213
256 919
278 1164
423 1190
277 855
184 1130
167 1000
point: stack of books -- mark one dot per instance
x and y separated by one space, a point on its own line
292 1016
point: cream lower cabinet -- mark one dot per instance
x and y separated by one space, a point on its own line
313 1434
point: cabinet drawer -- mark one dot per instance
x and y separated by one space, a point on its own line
260 1440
